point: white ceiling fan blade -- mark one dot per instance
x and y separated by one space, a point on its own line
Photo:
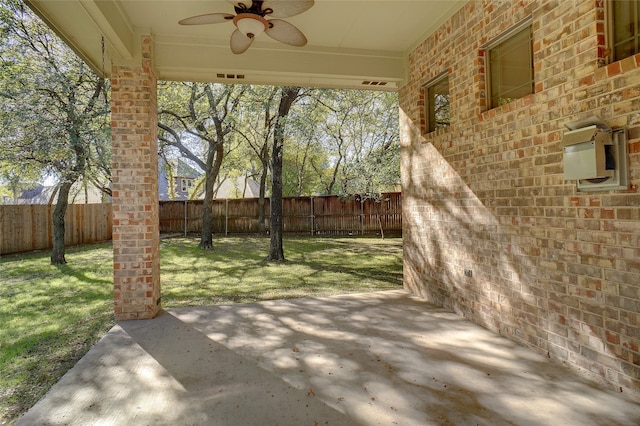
209 18
285 32
240 42
286 8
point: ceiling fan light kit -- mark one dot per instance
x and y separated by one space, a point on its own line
250 21
250 25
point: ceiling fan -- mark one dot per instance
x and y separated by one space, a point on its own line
251 20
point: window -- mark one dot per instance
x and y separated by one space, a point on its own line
509 63
186 184
437 110
624 31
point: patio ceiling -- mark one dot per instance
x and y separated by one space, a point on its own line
350 41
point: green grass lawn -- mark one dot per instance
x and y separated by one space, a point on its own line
51 315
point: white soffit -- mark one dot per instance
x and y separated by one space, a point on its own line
352 43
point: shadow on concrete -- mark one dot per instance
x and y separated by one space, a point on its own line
378 358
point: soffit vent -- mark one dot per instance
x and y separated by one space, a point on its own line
374 83
231 76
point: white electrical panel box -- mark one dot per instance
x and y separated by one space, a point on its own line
595 156
585 155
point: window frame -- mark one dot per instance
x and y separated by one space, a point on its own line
610 30
498 41
430 124
185 184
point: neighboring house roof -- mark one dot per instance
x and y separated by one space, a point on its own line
45 194
37 195
181 170
163 184
184 170
230 187
240 187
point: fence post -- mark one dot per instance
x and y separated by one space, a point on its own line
226 217
33 229
312 217
50 225
361 215
185 218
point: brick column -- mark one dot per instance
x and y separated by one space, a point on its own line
136 239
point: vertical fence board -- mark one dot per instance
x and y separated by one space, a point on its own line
3 231
28 227
41 225
323 215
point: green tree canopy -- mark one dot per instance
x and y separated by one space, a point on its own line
54 109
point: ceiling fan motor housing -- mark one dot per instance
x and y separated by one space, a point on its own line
255 8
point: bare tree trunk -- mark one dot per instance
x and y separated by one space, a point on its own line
244 184
334 175
264 161
57 253
300 186
206 238
378 216
276 251
263 184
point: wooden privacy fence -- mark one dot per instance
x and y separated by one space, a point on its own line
28 227
324 215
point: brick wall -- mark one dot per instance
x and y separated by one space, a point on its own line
554 269
136 237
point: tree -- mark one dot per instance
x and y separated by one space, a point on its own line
237 164
304 153
195 118
255 126
54 108
360 128
372 151
288 96
376 164
337 141
15 178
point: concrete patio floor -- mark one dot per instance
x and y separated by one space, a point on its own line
383 358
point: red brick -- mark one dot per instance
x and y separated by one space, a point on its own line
135 194
555 258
